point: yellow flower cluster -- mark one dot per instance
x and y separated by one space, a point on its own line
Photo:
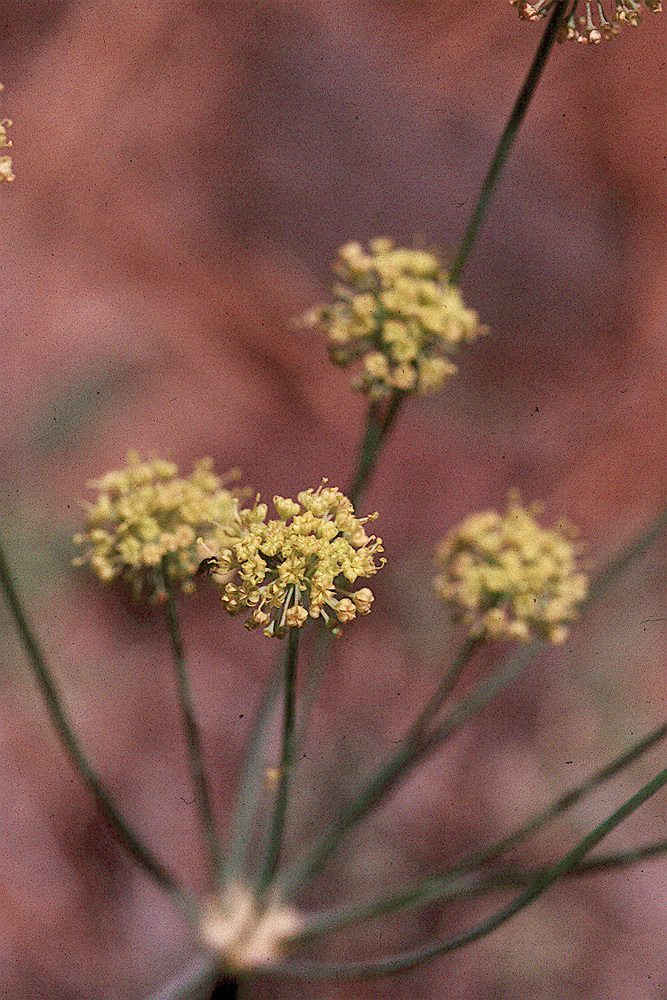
6 172
399 315
300 564
145 512
590 27
507 577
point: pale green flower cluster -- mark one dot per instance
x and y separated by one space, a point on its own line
588 22
300 564
507 577
6 172
398 314
145 512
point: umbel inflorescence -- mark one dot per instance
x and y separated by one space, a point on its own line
505 576
396 313
300 564
587 22
6 171
145 512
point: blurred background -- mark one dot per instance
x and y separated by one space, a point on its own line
184 175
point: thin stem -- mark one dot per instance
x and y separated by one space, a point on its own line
200 785
455 880
463 886
250 783
196 974
122 830
563 803
507 139
410 959
619 563
445 688
276 832
398 766
378 425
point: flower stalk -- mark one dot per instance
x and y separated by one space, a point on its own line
124 833
200 785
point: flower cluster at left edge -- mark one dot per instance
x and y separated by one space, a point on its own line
6 171
146 512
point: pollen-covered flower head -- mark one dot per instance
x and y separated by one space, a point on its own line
505 576
398 315
301 564
588 21
6 172
147 511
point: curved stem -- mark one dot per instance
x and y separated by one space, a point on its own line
463 878
276 832
396 769
122 830
409 959
193 740
507 139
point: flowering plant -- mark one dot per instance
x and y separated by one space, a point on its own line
398 316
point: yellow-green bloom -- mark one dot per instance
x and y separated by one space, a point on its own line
505 576
398 315
301 564
147 511
588 22
6 172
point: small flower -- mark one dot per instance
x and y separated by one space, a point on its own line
299 565
6 173
398 315
507 577
591 25
145 512
244 935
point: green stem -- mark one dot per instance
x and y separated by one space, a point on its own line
276 833
563 803
397 767
379 422
619 563
445 688
455 880
507 139
122 830
409 959
192 736
197 974
250 784
463 886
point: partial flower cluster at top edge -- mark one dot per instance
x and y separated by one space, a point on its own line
6 171
145 512
301 564
398 315
504 576
588 22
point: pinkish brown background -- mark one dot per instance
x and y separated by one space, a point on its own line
185 173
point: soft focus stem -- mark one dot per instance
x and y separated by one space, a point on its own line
507 139
395 769
409 959
445 688
124 833
276 832
193 740
379 421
